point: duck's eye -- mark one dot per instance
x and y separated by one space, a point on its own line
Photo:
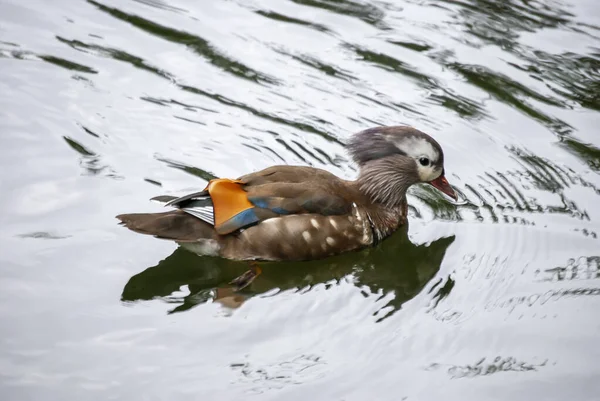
424 161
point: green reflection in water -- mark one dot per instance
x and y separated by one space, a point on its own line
439 93
291 20
69 65
587 152
197 44
140 63
363 11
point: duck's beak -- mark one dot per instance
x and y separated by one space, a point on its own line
442 184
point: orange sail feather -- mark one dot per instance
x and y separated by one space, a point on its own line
229 199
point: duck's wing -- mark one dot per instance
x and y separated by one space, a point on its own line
198 204
230 205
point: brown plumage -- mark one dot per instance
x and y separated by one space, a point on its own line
300 213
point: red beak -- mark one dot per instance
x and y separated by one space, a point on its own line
441 183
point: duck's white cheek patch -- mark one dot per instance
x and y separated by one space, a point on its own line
427 174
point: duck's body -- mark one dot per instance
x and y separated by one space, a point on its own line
302 213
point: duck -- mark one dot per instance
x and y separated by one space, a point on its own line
296 213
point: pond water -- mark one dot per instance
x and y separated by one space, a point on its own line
105 104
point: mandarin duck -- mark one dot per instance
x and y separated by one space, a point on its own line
285 213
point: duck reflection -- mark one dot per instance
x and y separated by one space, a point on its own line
396 265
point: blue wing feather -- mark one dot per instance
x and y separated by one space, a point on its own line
272 203
240 220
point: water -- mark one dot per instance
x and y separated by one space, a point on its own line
105 104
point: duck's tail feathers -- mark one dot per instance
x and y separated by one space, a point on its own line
175 225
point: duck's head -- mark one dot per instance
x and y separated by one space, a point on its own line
391 159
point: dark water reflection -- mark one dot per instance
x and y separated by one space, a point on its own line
105 104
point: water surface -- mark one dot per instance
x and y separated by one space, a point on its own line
105 104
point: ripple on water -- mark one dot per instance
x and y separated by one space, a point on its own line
193 42
368 13
486 367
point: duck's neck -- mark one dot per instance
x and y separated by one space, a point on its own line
385 220
384 185
385 203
